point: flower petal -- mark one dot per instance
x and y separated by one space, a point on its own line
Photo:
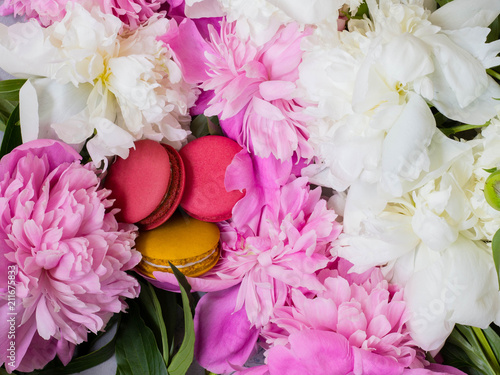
223 336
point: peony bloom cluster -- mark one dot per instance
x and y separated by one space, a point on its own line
132 12
355 325
255 93
89 81
372 84
58 231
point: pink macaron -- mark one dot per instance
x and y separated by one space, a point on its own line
205 161
147 186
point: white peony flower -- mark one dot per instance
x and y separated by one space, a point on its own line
372 85
434 239
87 81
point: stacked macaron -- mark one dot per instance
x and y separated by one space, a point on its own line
154 180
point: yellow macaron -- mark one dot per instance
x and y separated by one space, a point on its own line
189 244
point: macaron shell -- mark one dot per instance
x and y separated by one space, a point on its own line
172 195
205 161
191 244
139 182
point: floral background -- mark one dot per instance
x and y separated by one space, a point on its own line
367 133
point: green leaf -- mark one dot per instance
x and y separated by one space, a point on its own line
136 349
9 89
184 357
490 170
6 108
203 125
152 308
493 340
495 248
12 137
465 338
454 356
494 33
443 2
461 128
495 75
362 10
486 348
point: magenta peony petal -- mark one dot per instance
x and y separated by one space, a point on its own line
312 352
223 336
368 363
189 50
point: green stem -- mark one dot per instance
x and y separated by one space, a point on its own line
493 73
487 349
462 128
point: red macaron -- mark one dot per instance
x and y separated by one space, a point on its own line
205 161
147 186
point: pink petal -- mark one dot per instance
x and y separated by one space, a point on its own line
368 363
223 337
272 90
312 352
189 50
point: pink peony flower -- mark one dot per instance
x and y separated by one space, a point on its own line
290 245
132 12
256 96
369 313
356 325
58 231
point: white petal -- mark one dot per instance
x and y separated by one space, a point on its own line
24 51
434 230
461 286
363 201
58 103
406 58
473 40
74 130
377 240
373 87
310 12
404 152
457 73
110 140
442 153
458 14
28 112
482 109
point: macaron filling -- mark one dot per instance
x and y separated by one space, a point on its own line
191 267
